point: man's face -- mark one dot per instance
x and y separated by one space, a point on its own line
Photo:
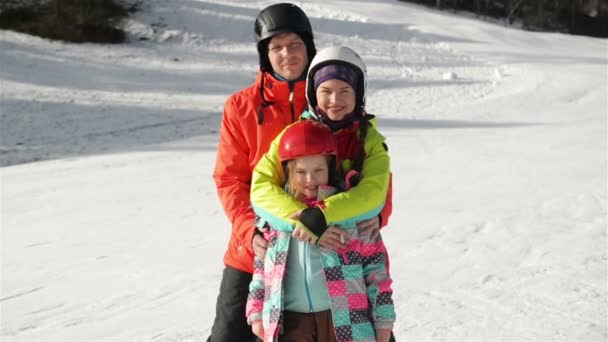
287 55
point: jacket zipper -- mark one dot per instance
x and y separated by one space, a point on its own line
307 278
291 86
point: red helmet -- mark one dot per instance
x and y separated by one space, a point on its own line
305 138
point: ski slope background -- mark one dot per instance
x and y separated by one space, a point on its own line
112 229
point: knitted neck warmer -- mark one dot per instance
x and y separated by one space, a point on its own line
347 120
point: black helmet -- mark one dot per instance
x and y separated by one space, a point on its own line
281 18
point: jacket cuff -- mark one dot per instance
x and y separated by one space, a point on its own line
314 220
383 325
254 316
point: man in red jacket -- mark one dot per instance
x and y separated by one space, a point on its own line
252 118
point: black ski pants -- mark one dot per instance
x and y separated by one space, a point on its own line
230 324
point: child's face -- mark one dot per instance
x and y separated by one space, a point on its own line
336 98
309 172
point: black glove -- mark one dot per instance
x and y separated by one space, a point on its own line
314 220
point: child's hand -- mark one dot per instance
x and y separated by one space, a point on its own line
296 215
333 238
302 233
258 329
383 335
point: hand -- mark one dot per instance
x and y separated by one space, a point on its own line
300 233
333 238
296 215
303 235
369 227
383 335
258 329
259 245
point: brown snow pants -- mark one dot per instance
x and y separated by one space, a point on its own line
307 327
310 327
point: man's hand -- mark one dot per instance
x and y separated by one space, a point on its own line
383 335
369 227
333 238
258 329
259 245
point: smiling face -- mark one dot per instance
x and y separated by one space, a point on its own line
287 55
336 98
307 173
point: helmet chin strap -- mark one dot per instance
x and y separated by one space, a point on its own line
265 103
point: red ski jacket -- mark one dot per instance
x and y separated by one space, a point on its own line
248 126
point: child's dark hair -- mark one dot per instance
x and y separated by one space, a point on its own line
357 164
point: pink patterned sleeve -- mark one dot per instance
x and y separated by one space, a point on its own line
255 300
378 282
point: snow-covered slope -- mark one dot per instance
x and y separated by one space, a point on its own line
112 230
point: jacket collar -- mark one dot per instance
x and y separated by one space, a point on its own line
278 91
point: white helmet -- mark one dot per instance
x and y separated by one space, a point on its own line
337 55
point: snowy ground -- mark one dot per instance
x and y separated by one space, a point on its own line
112 230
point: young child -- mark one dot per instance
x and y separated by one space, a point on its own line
304 292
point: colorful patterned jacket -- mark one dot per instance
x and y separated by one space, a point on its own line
358 285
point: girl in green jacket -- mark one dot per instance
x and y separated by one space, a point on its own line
362 156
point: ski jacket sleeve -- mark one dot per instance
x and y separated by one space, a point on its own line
367 199
388 204
255 299
232 176
387 210
378 282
